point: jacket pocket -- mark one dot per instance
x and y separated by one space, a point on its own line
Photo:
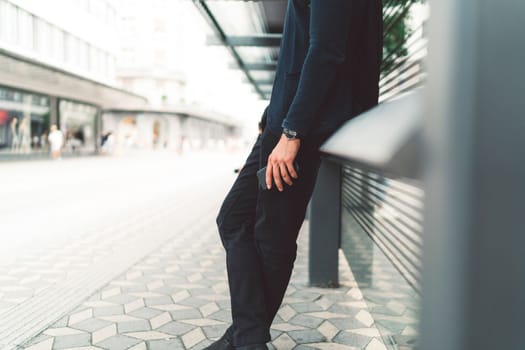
293 75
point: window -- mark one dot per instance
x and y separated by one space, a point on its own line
83 4
47 39
12 23
160 25
25 30
111 66
58 45
129 25
160 57
84 55
3 21
107 64
128 56
37 35
112 16
42 37
101 63
93 62
69 49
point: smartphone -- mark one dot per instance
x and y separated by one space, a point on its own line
261 176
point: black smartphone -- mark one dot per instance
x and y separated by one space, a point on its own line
261 175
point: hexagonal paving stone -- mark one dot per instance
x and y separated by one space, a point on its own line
119 342
307 336
166 344
171 300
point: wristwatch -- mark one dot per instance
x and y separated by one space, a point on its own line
290 134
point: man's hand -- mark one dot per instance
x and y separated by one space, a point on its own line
281 163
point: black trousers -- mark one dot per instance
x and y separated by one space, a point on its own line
259 229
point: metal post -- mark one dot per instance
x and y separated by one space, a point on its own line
325 226
474 246
98 128
53 110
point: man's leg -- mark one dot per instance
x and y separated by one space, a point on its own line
259 265
279 217
245 276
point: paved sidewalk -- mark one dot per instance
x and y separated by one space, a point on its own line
177 298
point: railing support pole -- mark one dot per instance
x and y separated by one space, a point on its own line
325 226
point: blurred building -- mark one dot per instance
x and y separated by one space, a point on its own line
152 62
175 128
58 65
151 51
165 57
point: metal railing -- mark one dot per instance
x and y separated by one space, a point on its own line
368 200
379 145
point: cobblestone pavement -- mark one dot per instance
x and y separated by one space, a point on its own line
177 298
157 281
393 303
95 218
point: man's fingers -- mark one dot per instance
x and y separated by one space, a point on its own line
284 174
269 175
277 178
291 170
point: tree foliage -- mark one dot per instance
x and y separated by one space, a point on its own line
396 32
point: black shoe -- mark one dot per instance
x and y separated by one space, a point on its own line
252 347
221 344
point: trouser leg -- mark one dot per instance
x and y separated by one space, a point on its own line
279 216
245 276
259 231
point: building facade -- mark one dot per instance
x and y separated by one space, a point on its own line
160 46
172 129
58 62
55 39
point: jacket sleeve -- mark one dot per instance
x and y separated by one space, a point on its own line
329 31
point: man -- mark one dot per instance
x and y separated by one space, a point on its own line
328 72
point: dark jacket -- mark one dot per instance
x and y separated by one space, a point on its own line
328 68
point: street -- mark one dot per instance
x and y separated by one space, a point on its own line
43 202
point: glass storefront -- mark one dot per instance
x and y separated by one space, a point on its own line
24 121
78 123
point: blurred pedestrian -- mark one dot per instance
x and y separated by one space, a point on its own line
56 141
15 140
327 73
108 141
24 133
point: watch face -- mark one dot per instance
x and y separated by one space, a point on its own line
291 134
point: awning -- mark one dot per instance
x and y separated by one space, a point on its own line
251 31
28 74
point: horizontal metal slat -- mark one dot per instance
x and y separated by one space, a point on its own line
413 218
409 189
410 240
412 278
412 207
398 237
414 251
